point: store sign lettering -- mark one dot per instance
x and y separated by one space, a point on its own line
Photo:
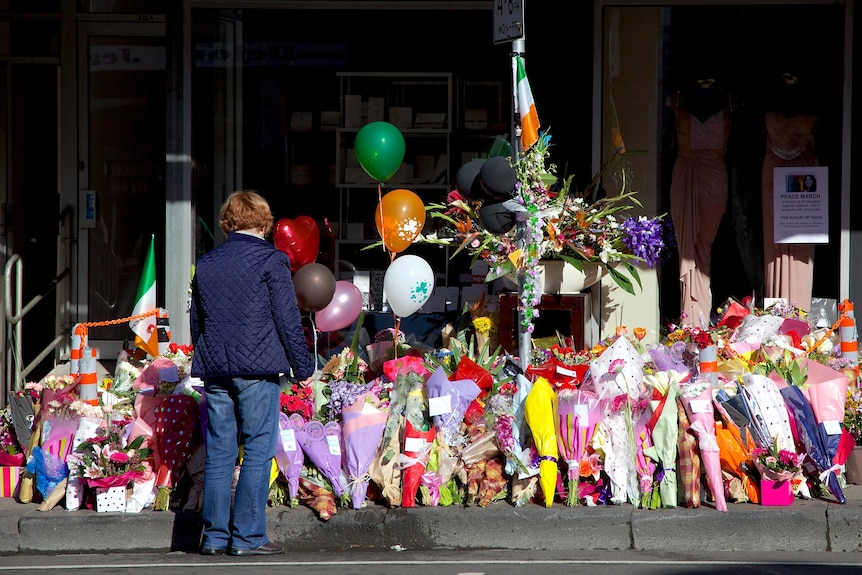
218 55
115 58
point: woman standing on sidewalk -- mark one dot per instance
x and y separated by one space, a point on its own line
246 330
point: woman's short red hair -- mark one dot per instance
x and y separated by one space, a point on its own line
245 210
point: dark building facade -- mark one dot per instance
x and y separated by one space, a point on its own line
122 120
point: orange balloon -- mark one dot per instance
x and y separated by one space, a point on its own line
400 216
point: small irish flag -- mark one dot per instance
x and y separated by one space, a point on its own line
525 107
146 334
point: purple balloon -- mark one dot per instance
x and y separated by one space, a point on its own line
343 310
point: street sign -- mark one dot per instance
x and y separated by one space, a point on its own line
508 20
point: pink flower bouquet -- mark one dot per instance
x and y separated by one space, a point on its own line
363 425
697 399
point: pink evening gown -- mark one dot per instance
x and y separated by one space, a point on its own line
698 200
788 268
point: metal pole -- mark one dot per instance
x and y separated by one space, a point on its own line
524 341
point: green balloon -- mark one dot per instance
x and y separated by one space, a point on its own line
379 148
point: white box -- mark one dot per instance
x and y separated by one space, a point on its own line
475 119
436 302
352 175
300 174
300 121
355 232
404 174
350 158
431 120
478 272
357 176
424 169
375 109
401 116
352 111
111 499
452 296
329 120
440 169
362 281
474 293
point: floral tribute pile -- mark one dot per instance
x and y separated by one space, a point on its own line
61 449
709 416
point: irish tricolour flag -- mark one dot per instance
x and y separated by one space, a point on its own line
146 334
525 107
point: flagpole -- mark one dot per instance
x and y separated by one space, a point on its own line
524 341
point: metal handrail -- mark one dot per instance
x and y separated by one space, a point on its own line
16 372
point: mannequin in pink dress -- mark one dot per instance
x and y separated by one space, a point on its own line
788 268
698 191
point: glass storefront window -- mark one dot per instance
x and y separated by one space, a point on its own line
662 66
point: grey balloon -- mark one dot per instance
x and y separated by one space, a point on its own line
314 285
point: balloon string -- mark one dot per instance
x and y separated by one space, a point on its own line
397 321
380 207
314 335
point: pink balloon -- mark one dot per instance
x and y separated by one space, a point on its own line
343 310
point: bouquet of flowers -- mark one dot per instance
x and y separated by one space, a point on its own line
388 342
346 365
105 460
8 441
697 401
559 223
417 439
775 463
579 412
289 455
448 401
182 356
364 423
853 414
60 411
323 445
22 408
75 486
564 367
297 399
540 408
176 419
694 337
342 380
486 325
664 431
405 374
617 375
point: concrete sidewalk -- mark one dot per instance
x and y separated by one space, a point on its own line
815 525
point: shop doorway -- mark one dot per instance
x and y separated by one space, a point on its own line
121 171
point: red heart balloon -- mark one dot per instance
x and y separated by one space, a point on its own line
299 239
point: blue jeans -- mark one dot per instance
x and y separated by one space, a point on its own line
241 411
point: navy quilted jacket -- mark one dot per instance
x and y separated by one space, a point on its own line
244 317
